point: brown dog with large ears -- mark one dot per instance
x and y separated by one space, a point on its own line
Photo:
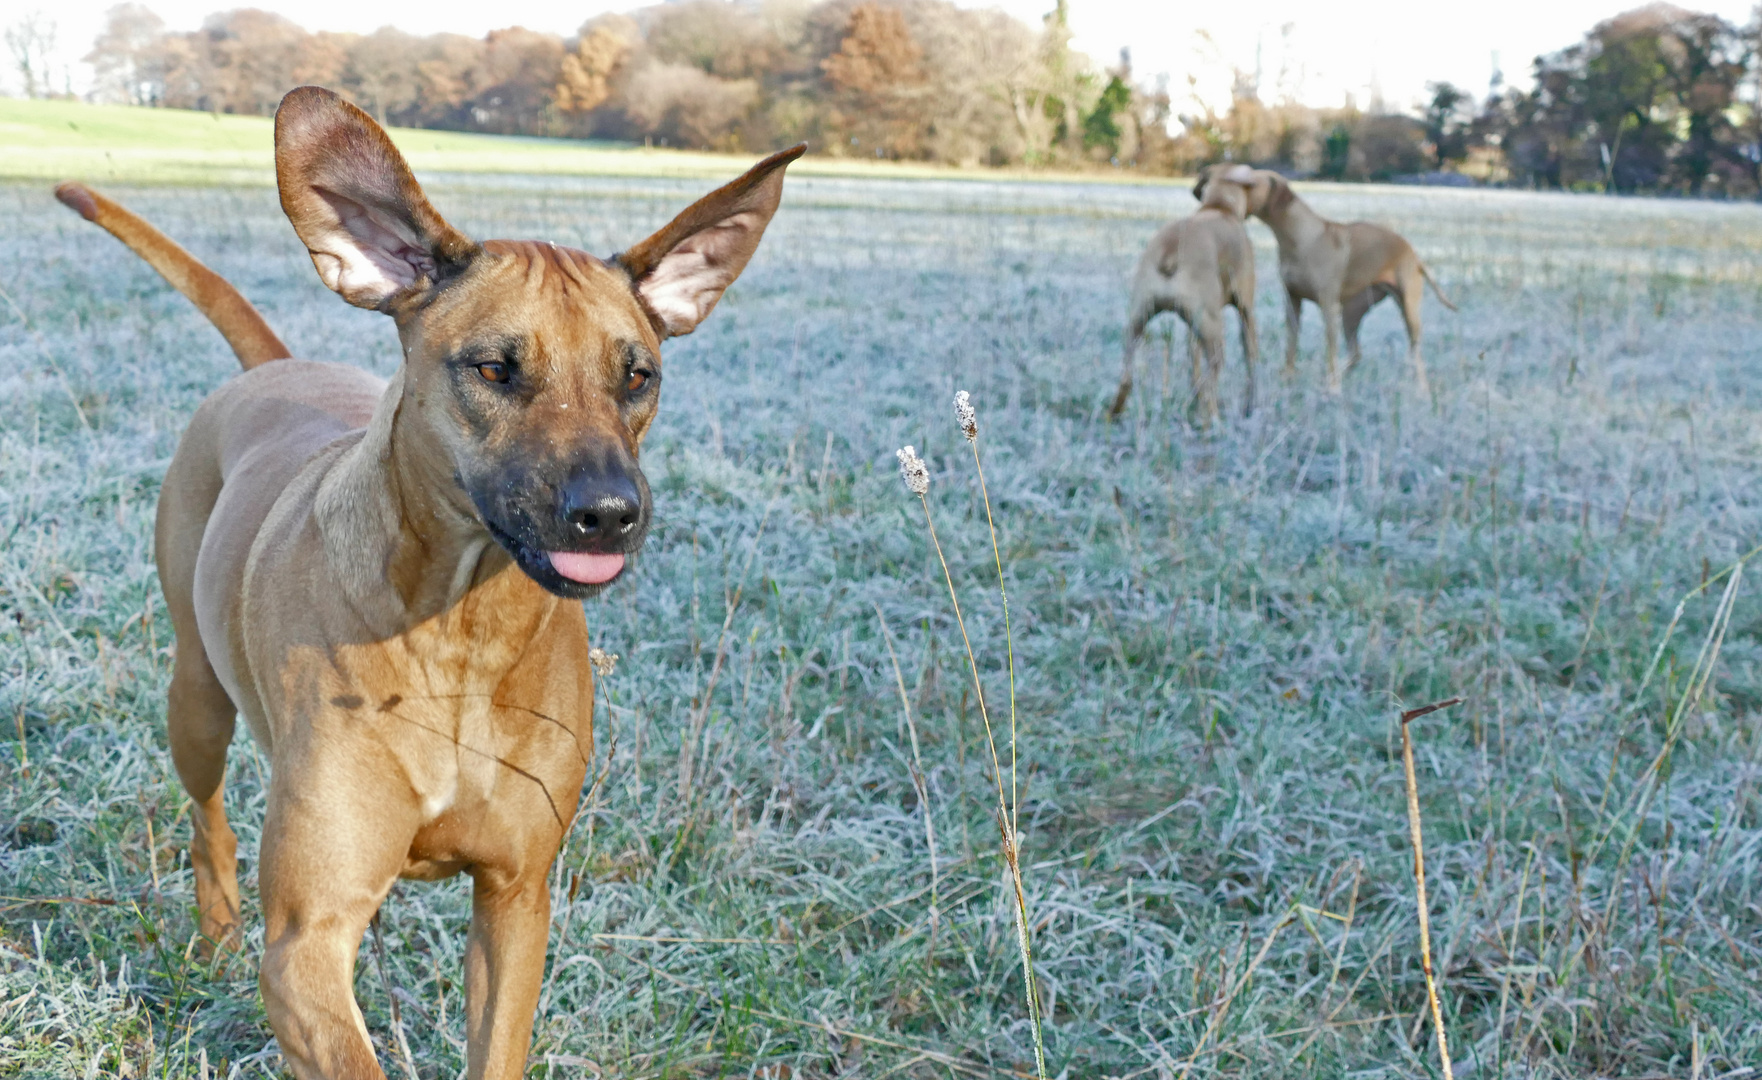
383 579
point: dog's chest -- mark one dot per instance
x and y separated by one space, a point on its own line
478 718
466 678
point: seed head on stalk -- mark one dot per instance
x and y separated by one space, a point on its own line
913 471
917 480
604 663
965 416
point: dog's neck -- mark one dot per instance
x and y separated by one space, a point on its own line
397 531
1227 198
1293 223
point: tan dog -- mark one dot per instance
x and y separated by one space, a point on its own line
385 579
1194 267
1344 269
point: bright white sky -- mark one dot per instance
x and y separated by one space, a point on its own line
1316 50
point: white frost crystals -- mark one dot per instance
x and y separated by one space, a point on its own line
913 471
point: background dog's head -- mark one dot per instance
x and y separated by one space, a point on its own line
1230 186
532 371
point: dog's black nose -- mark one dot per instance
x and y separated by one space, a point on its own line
602 510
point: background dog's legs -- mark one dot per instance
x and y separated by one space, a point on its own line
327 863
1350 316
1293 327
1141 314
1208 329
1411 295
1331 316
1250 346
1196 369
504 965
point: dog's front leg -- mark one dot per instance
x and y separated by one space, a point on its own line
504 966
1331 320
332 848
1293 328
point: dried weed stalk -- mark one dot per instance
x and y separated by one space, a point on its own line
916 475
1419 877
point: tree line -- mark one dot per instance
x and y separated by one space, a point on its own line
1659 99
902 79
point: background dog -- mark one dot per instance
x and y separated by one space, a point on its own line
1194 267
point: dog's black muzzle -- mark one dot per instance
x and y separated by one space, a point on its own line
599 508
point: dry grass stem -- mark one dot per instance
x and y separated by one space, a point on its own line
919 782
917 480
1419 877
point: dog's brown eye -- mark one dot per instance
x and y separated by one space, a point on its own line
638 380
493 371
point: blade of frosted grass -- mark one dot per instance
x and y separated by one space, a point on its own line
918 780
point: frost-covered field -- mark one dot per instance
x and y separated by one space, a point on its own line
1214 638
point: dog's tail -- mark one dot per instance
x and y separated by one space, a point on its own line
1437 292
238 322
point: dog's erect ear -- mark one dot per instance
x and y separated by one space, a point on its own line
1279 194
680 272
372 234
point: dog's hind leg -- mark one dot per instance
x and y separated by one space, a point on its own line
1208 330
200 726
1411 294
1195 357
1351 314
1250 347
1141 315
199 714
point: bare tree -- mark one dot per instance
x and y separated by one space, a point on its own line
123 57
522 68
30 40
381 72
680 105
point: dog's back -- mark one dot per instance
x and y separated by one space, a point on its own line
1198 260
245 445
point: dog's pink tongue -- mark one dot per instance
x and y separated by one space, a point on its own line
586 568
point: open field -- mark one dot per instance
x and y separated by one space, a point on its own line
111 144
1215 636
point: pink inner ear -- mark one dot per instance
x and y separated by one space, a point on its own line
688 281
368 255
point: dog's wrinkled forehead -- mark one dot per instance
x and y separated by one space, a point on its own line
574 301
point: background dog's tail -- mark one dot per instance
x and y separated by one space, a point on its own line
238 322
1437 292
